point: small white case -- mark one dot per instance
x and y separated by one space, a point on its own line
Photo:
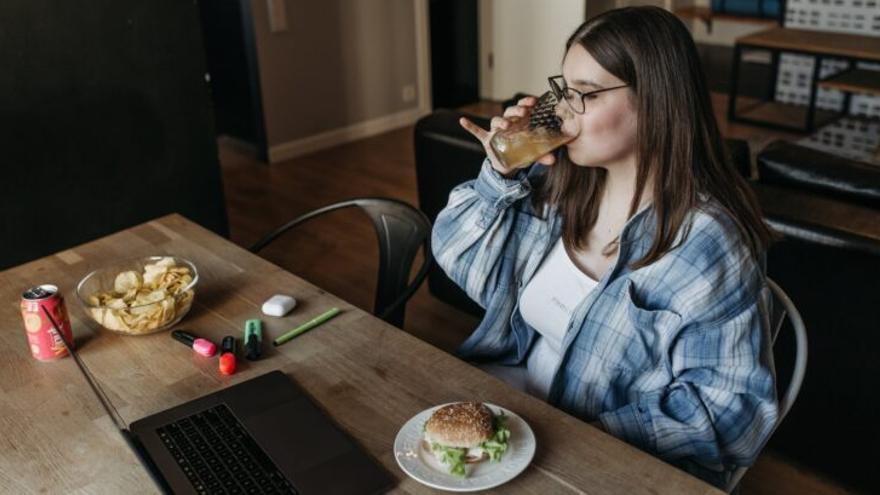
278 305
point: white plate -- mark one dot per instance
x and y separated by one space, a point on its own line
420 464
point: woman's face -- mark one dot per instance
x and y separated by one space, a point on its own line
606 131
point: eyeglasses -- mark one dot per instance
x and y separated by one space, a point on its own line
576 100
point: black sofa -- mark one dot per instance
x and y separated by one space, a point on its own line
446 155
831 275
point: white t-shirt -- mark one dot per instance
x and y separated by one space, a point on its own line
547 305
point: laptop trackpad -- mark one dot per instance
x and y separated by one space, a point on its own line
297 436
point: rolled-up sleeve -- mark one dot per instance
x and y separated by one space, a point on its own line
472 233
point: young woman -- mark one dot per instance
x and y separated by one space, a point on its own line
622 276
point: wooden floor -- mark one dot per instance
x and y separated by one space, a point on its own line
339 252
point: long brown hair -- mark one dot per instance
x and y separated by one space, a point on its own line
678 140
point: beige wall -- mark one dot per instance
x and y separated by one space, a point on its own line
527 40
339 63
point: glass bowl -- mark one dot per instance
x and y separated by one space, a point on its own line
139 296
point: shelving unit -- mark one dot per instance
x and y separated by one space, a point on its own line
849 48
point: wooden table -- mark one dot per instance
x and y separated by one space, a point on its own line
371 378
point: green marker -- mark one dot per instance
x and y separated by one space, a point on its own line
253 337
305 327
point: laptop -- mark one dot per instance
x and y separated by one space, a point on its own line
261 436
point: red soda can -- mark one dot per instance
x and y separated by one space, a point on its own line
44 342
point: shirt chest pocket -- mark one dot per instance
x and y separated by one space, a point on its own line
633 337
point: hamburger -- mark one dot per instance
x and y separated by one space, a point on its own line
466 433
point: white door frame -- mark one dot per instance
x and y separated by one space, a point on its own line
423 56
484 19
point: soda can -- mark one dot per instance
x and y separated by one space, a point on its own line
43 341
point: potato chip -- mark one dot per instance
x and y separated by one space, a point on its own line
117 304
126 281
139 302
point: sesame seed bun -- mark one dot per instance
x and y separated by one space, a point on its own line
460 425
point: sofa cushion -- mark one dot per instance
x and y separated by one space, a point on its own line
792 165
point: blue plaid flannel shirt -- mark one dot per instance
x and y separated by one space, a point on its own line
674 357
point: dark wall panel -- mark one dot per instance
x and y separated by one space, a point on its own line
106 121
454 52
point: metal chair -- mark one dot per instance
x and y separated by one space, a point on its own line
401 230
782 307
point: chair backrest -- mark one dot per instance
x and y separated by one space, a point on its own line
780 308
402 230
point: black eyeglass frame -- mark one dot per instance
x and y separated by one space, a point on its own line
559 92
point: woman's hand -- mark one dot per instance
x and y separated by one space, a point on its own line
512 115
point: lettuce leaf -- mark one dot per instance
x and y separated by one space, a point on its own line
497 445
452 457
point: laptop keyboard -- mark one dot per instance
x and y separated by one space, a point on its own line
219 456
